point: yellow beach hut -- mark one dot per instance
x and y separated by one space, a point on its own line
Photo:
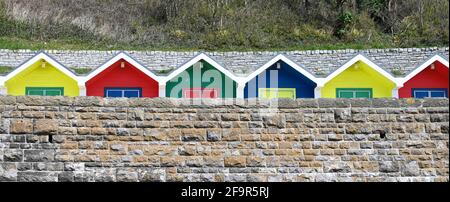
41 75
359 78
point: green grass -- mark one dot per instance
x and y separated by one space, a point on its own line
5 70
81 71
164 71
397 73
13 43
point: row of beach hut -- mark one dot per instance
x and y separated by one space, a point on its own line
203 77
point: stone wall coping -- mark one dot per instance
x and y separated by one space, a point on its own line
91 101
319 62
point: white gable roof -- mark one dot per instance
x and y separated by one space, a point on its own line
423 66
40 56
194 60
275 60
126 57
351 62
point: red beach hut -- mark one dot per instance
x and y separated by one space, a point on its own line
122 76
429 80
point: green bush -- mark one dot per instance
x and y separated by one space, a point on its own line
222 24
5 70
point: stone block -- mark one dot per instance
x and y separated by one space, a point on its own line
410 169
435 102
213 135
255 161
389 166
88 101
8 172
278 121
287 103
152 175
21 126
66 177
4 126
108 175
172 161
37 177
41 166
235 161
307 103
230 117
13 155
385 103
342 115
39 155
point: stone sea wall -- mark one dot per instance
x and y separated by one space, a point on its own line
96 139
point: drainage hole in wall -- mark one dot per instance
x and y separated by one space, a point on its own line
382 134
50 138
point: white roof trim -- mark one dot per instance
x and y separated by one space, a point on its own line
40 56
287 61
351 62
116 58
424 66
194 60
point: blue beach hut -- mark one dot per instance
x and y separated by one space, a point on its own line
280 78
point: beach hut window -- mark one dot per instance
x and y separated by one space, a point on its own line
200 93
123 92
45 91
429 93
270 93
354 93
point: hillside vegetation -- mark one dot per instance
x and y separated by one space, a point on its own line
223 24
